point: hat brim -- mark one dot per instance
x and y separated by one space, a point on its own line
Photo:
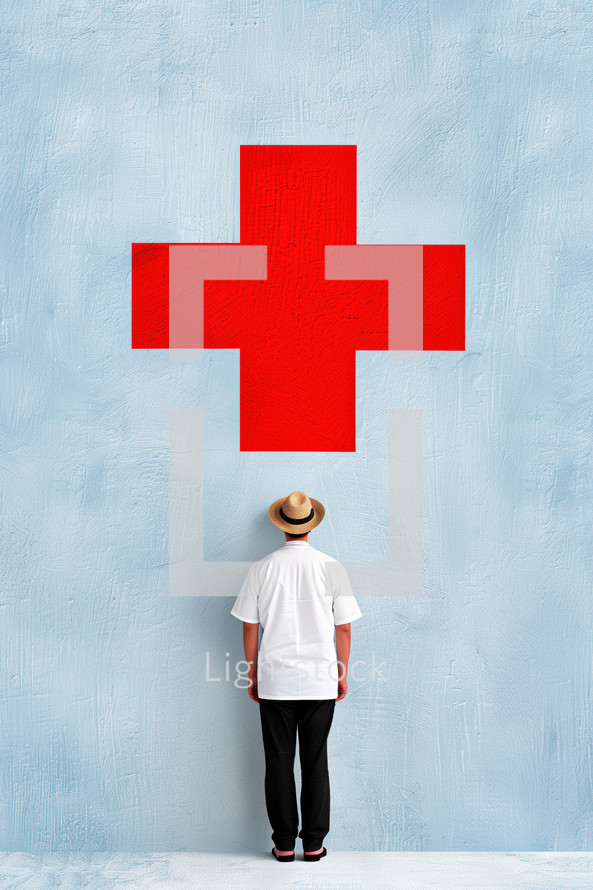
274 514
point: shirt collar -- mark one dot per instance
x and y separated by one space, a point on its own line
288 543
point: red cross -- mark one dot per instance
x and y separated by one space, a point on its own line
298 322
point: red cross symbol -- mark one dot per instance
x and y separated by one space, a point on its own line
298 296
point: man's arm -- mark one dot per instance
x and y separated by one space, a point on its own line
250 643
343 652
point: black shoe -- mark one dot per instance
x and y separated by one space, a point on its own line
314 857
283 858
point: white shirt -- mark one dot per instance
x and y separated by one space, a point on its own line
298 595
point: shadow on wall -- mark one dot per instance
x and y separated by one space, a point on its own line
227 801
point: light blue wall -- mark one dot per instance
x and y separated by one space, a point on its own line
122 122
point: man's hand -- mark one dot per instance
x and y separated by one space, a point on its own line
250 641
342 689
343 651
252 689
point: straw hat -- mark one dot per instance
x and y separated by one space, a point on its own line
297 513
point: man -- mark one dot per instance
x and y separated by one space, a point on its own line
301 597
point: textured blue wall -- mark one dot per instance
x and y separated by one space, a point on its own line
123 123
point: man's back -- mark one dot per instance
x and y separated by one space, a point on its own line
298 594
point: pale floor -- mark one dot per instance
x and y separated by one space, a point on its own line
338 871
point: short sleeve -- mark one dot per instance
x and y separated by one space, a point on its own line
345 607
246 605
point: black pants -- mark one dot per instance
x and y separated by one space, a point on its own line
280 720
